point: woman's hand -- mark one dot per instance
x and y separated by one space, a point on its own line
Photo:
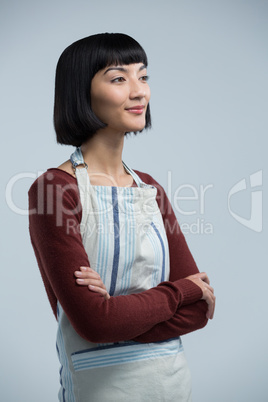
88 277
201 279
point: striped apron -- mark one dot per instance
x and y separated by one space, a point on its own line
124 236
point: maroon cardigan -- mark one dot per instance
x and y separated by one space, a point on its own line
168 310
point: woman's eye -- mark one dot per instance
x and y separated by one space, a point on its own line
144 78
118 79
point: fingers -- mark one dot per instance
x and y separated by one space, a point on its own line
204 277
209 297
86 272
100 290
88 277
201 279
200 275
210 288
211 309
211 301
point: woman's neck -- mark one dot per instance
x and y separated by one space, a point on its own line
103 155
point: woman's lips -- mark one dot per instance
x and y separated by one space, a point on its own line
136 109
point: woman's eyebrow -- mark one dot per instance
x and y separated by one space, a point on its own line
124 70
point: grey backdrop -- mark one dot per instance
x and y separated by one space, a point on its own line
208 68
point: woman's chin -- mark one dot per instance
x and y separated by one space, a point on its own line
137 127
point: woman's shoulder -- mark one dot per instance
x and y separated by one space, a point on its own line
148 179
62 175
66 167
144 176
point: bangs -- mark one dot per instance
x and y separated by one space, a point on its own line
117 49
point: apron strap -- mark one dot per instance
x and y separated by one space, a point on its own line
136 178
77 158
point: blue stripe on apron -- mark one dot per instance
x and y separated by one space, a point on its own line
124 353
163 251
130 244
103 241
116 240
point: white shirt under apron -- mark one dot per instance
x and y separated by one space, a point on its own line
124 236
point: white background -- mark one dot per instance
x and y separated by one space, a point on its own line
208 67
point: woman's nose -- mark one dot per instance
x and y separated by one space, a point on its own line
137 90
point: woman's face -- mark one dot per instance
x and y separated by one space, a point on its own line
120 95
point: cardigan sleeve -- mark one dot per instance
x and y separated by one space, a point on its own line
54 219
187 318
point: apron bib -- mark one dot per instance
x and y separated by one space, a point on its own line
124 236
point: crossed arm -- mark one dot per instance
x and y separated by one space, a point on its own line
170 309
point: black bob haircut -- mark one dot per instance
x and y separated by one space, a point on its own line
74 120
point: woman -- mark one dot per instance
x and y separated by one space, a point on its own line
120 278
